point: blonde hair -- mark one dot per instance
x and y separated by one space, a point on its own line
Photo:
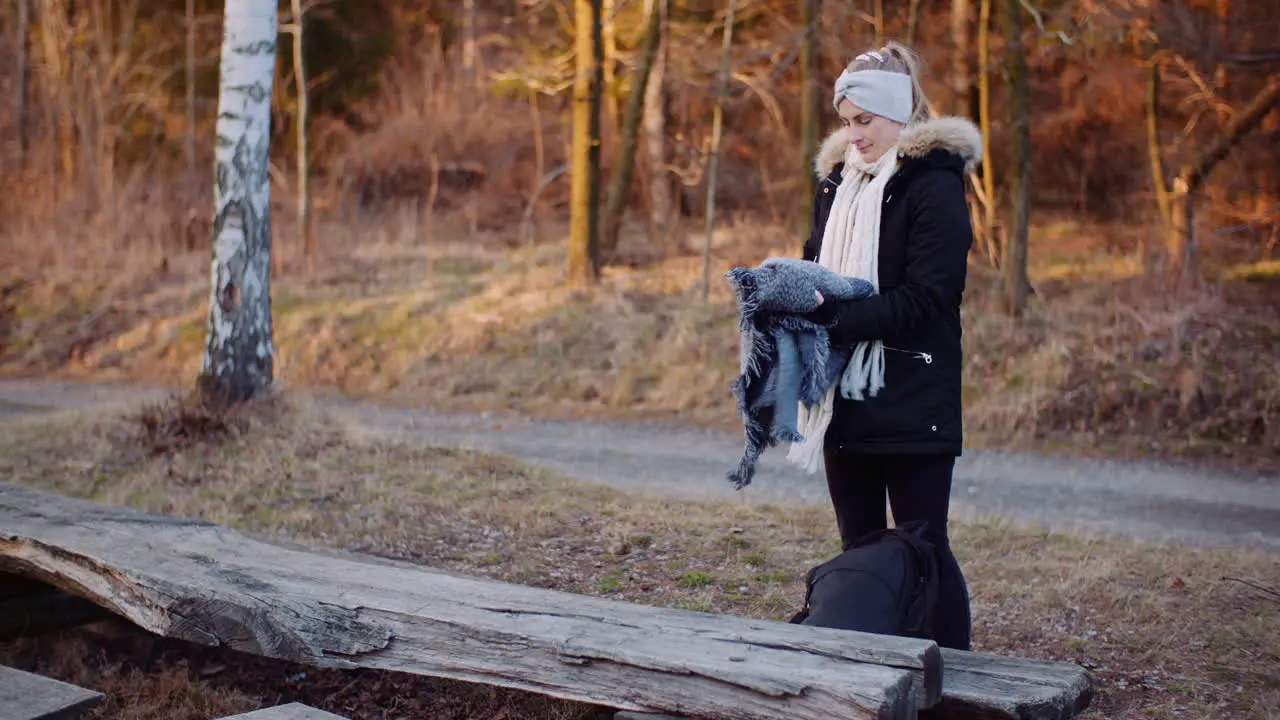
898 58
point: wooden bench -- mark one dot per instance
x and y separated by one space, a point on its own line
27 696
214 586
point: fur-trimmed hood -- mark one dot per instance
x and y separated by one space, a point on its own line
950 133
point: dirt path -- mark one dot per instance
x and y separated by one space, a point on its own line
1145 500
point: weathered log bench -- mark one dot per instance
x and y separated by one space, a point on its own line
291 711
212 585
27 696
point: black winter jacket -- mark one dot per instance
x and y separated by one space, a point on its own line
925 237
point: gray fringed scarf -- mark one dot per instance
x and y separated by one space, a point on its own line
786 359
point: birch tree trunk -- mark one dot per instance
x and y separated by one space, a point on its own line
655 132
583 265
239 356
1016 284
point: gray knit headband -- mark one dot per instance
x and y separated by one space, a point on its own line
884 93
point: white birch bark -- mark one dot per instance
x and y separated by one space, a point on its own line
238 361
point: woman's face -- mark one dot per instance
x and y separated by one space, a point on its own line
870 133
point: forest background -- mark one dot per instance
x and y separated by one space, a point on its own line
1123 290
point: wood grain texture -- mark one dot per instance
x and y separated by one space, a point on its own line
981 686
291 711
214 586
27 696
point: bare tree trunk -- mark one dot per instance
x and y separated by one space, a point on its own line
620 186
713 169
306 229
1158 183
1180 233
961 74
22 97
608 31
878 15
810 11
54 39
583 265
469 40
239 354
97 138
913 21
191 88
1016 284
984 113
539 149
655 132
1181 240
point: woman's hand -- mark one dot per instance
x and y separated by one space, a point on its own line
825 314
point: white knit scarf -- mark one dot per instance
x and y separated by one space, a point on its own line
850 247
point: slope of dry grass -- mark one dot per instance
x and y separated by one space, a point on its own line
1165 631
1105 363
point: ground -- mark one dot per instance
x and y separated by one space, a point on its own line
1168 631
1145 416
1106 363
1141 499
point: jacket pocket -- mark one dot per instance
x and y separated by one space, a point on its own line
913 409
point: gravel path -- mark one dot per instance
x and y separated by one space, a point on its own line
1144 500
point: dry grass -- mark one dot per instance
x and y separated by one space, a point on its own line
410 308
1164 632
182 421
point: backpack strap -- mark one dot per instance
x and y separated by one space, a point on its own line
808 597
926 563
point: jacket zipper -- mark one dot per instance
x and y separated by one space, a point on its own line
926 357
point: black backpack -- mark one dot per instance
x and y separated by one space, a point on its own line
886 582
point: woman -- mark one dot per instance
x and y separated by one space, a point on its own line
890 208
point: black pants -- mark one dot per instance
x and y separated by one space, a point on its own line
918 488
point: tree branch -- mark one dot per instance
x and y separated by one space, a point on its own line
1252 59
1242 124
1273 593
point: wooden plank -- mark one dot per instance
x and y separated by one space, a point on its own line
27 696
46 609
982 686
211 585
292 711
